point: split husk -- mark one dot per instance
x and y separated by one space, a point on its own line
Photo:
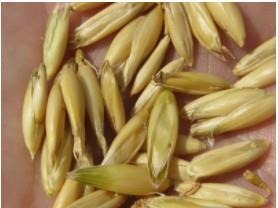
162 136
93 97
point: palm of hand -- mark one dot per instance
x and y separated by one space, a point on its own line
23 29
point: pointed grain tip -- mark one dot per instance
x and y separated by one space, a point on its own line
32 154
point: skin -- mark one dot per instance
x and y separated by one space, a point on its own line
22 32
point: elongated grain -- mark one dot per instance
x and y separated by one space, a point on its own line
112 97
142 44
151 66
93 98
178 27
162 136
228 17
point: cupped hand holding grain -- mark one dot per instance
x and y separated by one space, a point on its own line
23 31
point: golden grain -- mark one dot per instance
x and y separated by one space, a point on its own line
56 40
106 22
262 53
150 93
228 17
33 112
177 25
112 97
226 194
151 66
204 29
262 76
93 97
142 44
120 178
162 136
196 83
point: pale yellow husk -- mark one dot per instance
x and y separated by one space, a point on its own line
248 115
85 6
204 29
223 104
228 17
120 47
205 203
56 40
151 66
256 180
93 97
33 111
186 145
129 140
244 116
262 76
189 108
112 97
150 93
143 43
196 83
54 174
106 22
74 99
70 192
177 25
162 136
227 158
205 128
55 121
99 198
176 202
119 178
261 54
226 194
177 167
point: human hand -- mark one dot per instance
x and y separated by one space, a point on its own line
23 31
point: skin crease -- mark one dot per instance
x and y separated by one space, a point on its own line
22 32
